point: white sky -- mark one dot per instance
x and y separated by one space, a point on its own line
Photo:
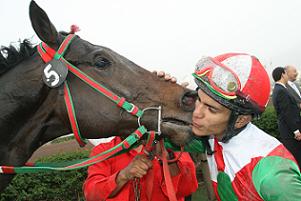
171 34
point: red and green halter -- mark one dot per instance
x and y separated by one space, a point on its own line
48 54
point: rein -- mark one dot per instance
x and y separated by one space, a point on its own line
55 74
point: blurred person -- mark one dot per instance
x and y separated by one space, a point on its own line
289 121
293 87
116 178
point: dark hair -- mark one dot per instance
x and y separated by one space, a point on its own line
277 73
12 56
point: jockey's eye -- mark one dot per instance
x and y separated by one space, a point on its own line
101 62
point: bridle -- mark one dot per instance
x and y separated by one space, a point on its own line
48 54
55 74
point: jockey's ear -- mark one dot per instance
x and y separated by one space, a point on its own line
43 27
242 120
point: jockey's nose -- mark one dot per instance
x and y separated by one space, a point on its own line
188 100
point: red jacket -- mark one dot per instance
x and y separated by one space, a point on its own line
101 177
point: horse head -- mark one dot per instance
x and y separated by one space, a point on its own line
34 113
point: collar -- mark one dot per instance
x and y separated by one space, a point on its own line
291 83
280 83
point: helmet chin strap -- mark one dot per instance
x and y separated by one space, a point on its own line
231 131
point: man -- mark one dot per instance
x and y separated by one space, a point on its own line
289 121
125 177
292 87
246 164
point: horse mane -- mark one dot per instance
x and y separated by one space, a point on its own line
11 56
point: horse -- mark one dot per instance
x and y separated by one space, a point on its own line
33 113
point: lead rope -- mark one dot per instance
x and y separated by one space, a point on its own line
150 175
147 150
167 177
137 188
122 147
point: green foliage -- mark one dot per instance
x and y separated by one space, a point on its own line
268 121
49 186
62 139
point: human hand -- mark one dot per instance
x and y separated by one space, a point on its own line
168 77
137 168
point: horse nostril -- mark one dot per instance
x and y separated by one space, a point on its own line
188 100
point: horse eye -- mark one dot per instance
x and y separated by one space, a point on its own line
102 62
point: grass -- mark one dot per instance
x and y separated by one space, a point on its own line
62 139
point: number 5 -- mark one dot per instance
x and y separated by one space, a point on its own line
48 73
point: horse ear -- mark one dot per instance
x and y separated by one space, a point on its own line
43 26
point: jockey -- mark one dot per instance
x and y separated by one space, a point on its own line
245 163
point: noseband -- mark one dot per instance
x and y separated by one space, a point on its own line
55 74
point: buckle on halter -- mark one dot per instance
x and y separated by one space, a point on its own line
158 132
132 109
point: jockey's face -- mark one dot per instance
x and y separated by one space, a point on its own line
209 117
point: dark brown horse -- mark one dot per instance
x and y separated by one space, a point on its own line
32 113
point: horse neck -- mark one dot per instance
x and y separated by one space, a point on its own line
27 112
